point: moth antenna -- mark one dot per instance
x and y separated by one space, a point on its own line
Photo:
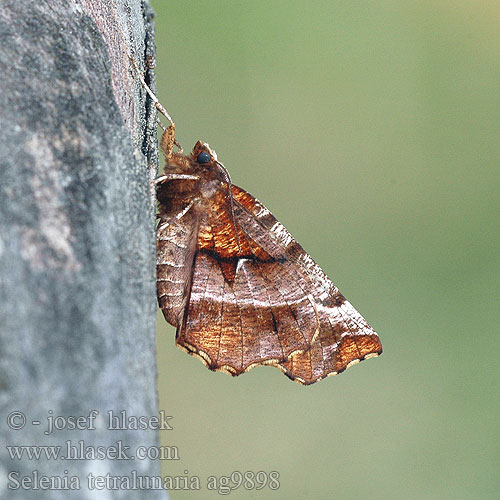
151 94
160 124
158 106
228 178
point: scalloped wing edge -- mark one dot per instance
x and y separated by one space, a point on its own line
276 362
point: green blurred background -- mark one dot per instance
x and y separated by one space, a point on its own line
371 131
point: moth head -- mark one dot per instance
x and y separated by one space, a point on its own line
203 154
206 158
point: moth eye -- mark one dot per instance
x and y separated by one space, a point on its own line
203 157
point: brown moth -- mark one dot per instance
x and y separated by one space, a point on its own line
239 289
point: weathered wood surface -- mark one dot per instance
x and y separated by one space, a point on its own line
77 262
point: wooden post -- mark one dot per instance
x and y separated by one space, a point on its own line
77 258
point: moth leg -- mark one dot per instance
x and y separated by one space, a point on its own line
168 137
173 177
176 218
150 62
180 215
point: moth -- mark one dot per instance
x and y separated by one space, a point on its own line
239 289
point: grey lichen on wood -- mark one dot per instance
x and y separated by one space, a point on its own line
77 260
